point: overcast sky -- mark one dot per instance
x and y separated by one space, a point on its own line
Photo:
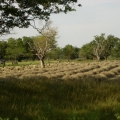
80 27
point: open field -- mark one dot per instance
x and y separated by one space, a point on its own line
68 91
73 70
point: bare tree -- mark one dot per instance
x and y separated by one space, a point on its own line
44 42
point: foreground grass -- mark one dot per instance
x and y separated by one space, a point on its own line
52 99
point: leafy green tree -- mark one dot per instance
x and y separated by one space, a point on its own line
70 52
20 49
109 44
27 53
3 46
77 52
14 49
10 50
21 13
55 54
115 52
86 51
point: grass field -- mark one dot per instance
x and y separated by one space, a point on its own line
65 91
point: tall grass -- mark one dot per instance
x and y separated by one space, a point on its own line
52 99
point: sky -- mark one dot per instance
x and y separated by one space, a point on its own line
79 27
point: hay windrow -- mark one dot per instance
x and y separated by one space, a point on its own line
105 69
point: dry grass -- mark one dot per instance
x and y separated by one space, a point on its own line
105 69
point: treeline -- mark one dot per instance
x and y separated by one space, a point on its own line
19 49
100 48
16 49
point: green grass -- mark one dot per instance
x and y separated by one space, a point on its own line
30 62
51 99
37 62
8 63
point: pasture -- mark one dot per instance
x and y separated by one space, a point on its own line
61 91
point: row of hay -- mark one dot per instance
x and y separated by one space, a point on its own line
110 70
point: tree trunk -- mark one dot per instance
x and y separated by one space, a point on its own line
98 57
42 63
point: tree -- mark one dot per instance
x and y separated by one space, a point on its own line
3 46
21 13
70 52
86 51
115 52
98 45
43 43
55 54
109 44
10 50
102 46
27 52
20 49
14 49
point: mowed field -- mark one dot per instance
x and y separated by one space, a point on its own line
61 91
107 70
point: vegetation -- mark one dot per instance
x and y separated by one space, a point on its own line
55 54
22 14
38 47
55 99
42 44
65 70
14 49
86 51
70 52
62 90
101 47
66 90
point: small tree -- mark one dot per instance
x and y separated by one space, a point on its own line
43 43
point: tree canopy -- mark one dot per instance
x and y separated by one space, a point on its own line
70 52
21 13
86 51
15 49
